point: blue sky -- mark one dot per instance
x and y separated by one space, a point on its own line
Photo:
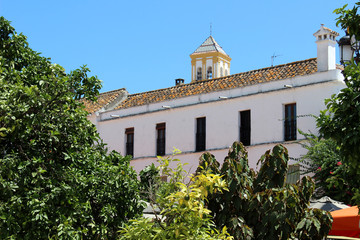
145 45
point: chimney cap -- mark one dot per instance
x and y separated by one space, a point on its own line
324 30
179 81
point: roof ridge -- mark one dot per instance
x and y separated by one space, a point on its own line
219 78
209 45
277 66
216 45
238 80
112 91
255 70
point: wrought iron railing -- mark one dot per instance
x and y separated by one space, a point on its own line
290 130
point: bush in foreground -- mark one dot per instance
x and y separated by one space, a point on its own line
262 205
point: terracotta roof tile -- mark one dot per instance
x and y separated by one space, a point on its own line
331 31
269 74
103 100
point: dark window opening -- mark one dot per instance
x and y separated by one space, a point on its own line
200 134
129 132
290 122
209 73
160 141
199 74
245 127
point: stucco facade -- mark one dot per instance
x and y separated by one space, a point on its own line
265 92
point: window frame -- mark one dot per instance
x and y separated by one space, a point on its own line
245 127
290 122
129 144
161 139
200 135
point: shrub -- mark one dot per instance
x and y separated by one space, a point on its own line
184 215
262 205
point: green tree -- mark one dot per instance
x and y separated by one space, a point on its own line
340 120
57 179
332 176
262 205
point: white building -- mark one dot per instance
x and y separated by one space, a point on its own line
261 108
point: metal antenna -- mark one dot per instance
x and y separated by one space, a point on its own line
210 29
273 57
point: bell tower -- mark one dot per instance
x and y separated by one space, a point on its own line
209 61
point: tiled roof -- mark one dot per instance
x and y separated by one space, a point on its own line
103 100
332 31
322 28
269 74
209 45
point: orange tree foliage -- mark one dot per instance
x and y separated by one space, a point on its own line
56 178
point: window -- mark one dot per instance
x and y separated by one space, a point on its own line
200 134
209 73
160 141
290 122
199 74
129 132
293 174
221 72
245 127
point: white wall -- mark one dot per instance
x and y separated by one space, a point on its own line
266 102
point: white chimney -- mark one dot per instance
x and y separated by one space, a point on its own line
326 46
